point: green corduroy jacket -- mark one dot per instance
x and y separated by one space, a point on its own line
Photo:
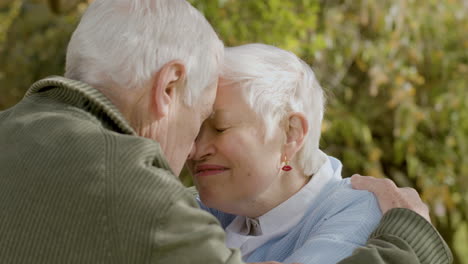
77 185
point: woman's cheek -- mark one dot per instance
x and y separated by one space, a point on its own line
235 151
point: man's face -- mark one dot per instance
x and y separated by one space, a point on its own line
186 125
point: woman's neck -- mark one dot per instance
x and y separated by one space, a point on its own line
285 186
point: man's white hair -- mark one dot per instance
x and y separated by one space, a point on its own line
124 42
278 83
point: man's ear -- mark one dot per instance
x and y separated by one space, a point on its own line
167 83
296 132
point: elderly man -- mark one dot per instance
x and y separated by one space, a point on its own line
87 162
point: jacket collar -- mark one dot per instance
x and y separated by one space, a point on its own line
83 95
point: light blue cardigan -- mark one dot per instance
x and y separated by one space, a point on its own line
337 222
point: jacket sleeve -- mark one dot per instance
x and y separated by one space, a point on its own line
403 236
191 235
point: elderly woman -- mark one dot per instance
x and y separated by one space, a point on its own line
258 167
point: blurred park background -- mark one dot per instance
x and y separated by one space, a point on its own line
395 73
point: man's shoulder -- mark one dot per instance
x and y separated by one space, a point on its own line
49 128
65 136
65 128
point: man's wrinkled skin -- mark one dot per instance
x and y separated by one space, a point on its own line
390 196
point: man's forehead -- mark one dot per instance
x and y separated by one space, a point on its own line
212 115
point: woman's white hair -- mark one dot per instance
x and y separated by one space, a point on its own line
124 42
278 83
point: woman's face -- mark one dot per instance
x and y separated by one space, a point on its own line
235 168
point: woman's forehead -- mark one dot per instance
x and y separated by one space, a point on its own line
224 113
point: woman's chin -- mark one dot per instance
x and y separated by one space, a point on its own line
207 199
212 201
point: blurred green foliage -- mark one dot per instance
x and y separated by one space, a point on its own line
395 73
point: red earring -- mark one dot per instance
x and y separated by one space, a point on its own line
286 167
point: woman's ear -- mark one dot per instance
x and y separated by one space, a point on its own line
296 132
167 84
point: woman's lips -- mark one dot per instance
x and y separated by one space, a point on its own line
208 169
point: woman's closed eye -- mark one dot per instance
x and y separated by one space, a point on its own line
221 129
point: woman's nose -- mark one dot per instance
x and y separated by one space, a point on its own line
192 151
202 148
